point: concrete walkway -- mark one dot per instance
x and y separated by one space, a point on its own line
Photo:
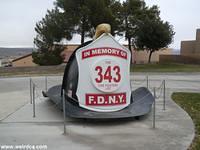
174 128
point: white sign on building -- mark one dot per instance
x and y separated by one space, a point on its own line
104 75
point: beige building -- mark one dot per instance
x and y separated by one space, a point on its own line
24 61
139 57
189 54
68 51
191 48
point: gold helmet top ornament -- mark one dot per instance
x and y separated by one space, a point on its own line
102 28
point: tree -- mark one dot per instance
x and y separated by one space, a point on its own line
67 18
85 15
154 35
135 17
50 29
133 12
49 57
71 17
76 12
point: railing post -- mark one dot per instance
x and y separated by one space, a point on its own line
64 114
154 108
46 83
33 100
30 90
164 95
147 78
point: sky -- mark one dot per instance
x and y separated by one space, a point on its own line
183 15
18 19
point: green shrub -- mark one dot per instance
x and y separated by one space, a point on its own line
48 57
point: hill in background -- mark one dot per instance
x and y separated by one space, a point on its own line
6 53
14 52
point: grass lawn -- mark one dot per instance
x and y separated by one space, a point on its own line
190 102
165 68
31 71
41 70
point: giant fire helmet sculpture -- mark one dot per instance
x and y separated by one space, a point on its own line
97 81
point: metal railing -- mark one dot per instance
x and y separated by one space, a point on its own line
161 89
157 92
64 116
34 94
162 94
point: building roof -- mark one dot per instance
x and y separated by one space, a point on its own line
22 57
